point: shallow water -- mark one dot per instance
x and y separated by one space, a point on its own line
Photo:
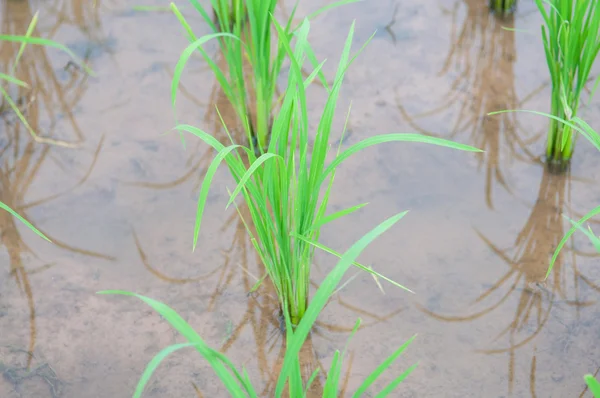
118 200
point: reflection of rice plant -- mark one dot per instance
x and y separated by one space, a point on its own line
82 15
482 57
290 376
23 159
7 78
576 124
527 265
28 85
283 188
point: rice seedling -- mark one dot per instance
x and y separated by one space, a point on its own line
571 37
247 35
503 7
237 382
287 188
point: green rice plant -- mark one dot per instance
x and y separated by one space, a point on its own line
571 37
503 7
8 78
248 40
287 188
238 383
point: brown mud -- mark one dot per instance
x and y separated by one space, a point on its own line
118 199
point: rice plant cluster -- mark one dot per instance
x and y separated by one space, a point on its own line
284 169
571 37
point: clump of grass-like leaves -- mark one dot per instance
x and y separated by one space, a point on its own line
571 36
248 40
503 7
238 384
287 188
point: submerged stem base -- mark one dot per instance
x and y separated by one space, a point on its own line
255 142
558 166
503 7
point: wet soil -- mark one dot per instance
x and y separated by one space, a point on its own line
118 200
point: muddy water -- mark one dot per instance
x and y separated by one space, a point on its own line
118 200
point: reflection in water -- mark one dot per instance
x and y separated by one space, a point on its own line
49 93
527 262
81 14
481 60
50 100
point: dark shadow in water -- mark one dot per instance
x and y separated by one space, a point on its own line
527 261
50 99
481 60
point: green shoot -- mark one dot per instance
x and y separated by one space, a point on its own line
287 188
571 37
237 383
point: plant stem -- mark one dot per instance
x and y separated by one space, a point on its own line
558 156
502 7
